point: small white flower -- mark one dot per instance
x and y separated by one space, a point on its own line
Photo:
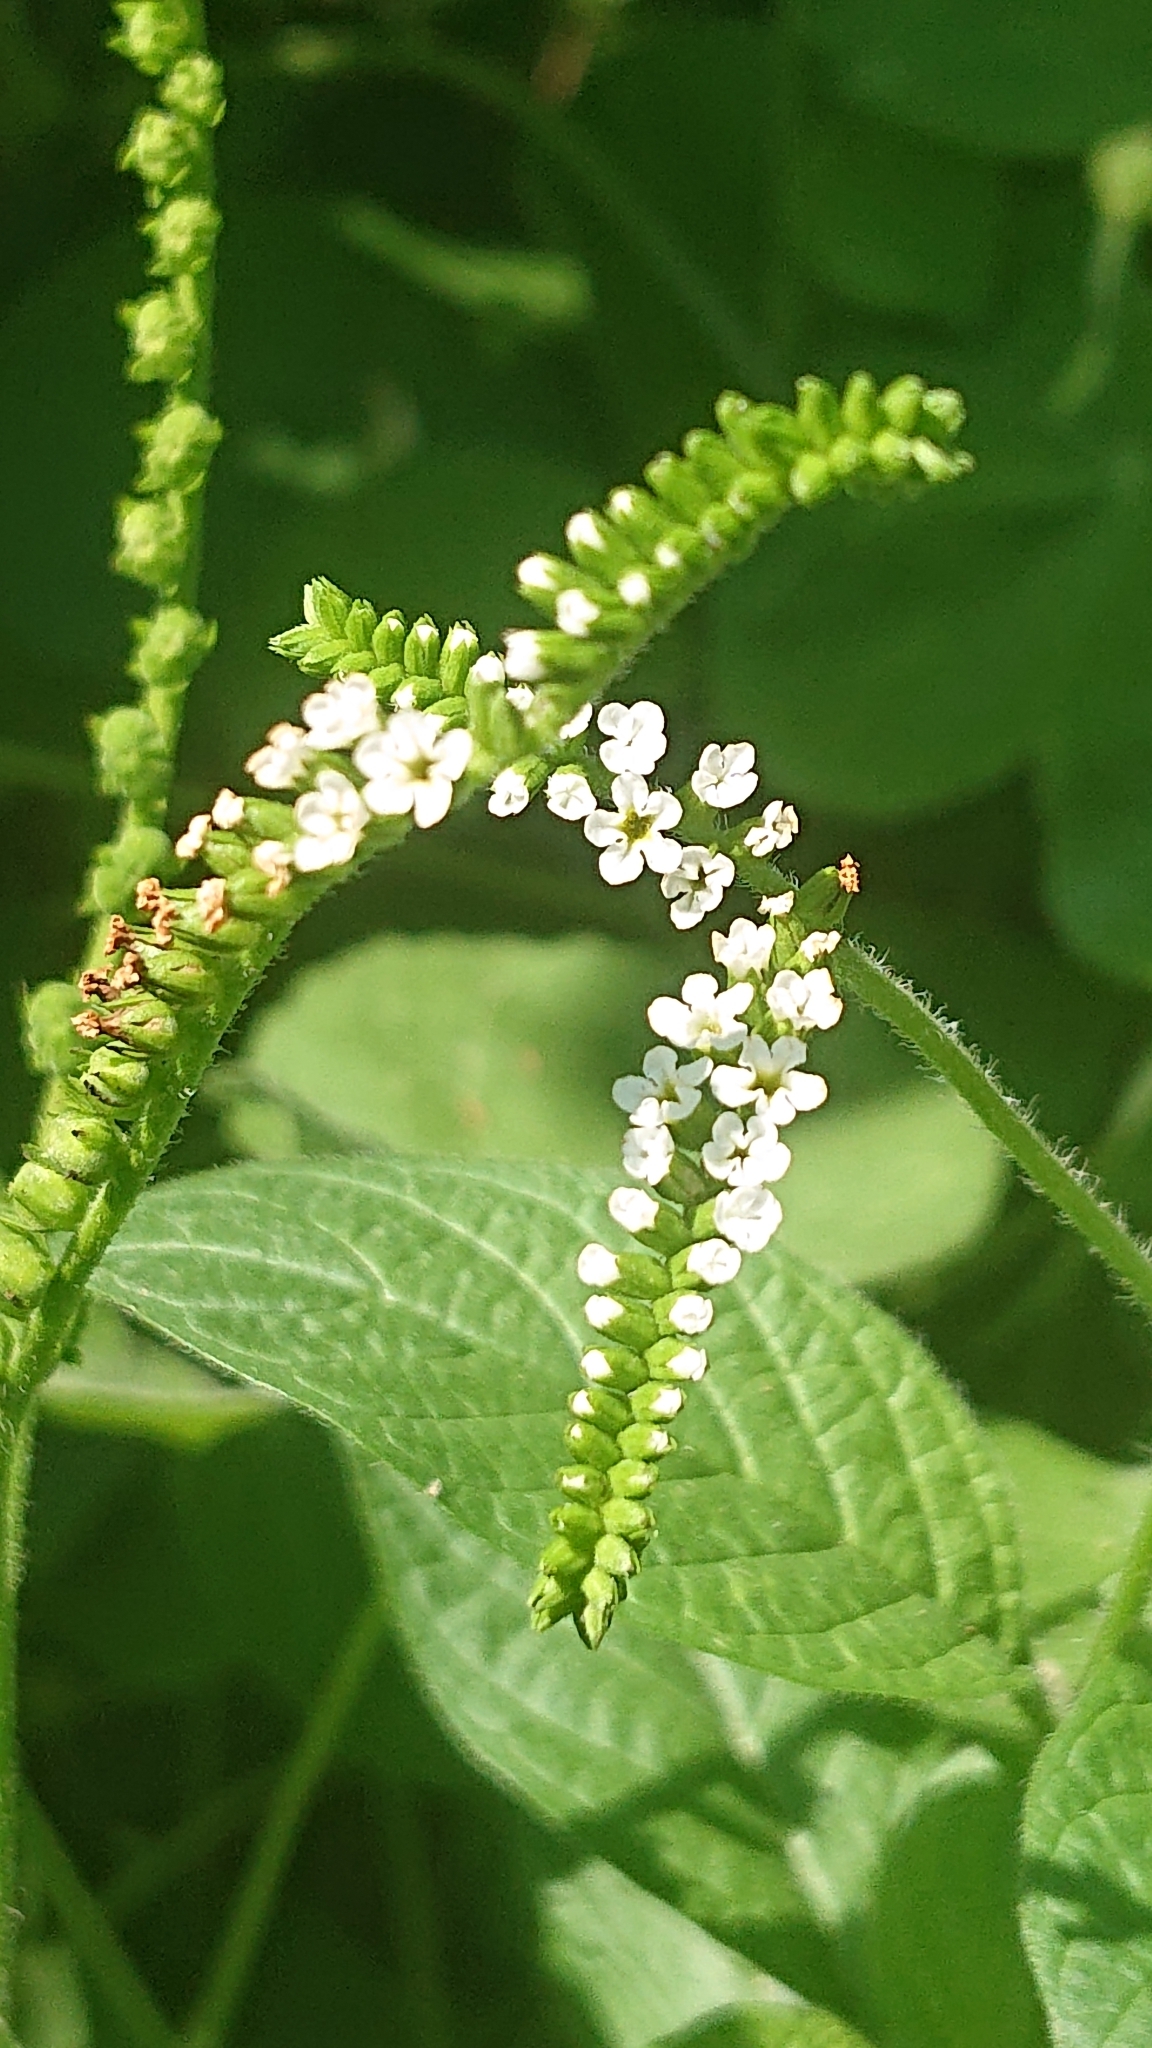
413 765
489 669
538 572
576 614
520 697
714 1262
582 531
283 760
769 1076
595 1366
697 885
775 828
690 1363
665 1093
633 1210
635 588
648 1153
661 1407
704 1020
818 945
601 1311
632 836
691 1314
667 556
191 840
747 1217
597 1266
726 776
569 796
510 794
331 818
804 1002
274 859
745 1155
341 713
745 948
404 699
228 810
578 723
777 906
636 737
523 658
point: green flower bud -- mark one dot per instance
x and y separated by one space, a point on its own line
170 644
457 656
146 1024
177 447
581 1525
422 649
151 539
676 485
629 1518
327 606
183 236
631 1479
938 465
117 867
615 1554
667 1234
177 972
635 514
817 412
131 757
601 1595
163 330
388 639
711 461
562 1559
76 1145
642 1276
152 33
550 1601
820 900
900 403
162 149
812 479
359 627
581 1483
613 1365
846 456
496 725
118 1080
645 1440
25 1270
591 1445
944 411
195 87
51 1042
630 1325
892 455
53 1201
598 1404
859 407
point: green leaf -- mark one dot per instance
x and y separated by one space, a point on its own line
1087 1907
126 1385
536 288
758 2026
430 1311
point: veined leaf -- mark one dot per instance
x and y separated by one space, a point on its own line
830 1516
761 2026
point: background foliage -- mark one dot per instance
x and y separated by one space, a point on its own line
481 259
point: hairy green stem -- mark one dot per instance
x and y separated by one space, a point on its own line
15 1459
1068 1187
248 1922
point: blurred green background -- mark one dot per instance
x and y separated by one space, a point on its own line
481 259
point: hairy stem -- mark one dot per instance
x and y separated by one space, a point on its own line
1069 1188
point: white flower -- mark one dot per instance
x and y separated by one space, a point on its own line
510 794
578 723
520 697
595 1366
341 713
412 766
523 659
404 699
633 1210
665 1093
489 669
274 859
714 1262
569 796
769 1076
697 885
745 948
228 810
597 1266
804 1002
636 737
331 818
818 945
691 1314
662 1406
775 828
777 906
583 532
284 758
632 835
704 1020
576 614
192 838
635 588
539 572
689 1363
745 1155
667 556
648 1153
747 1217
601 1311
726 775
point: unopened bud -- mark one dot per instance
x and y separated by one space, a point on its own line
131 757
817 411
54 1202
25 1270
161 148
163 330
177 446
151 539
170 644
195 87
117 867
52 1044
183 235
152 33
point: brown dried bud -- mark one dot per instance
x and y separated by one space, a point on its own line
88 1024
212 903
96 988
848 875
119 934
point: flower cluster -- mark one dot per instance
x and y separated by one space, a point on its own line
703 1155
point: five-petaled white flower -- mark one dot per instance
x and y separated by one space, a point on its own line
770 1076
331 818
283 758
510 794
341 713
632 835
747 1217
665 1093
746 1155
632 1209
568 795
597 1266
714 1262
636 737
648 1152
691 1314
745 948
704 1020
412 766
804 1002
775 828
726 776
697 885
818 945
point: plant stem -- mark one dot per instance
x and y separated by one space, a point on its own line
15 1459
1128 1601
248 1921
140 2024
1068 1187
